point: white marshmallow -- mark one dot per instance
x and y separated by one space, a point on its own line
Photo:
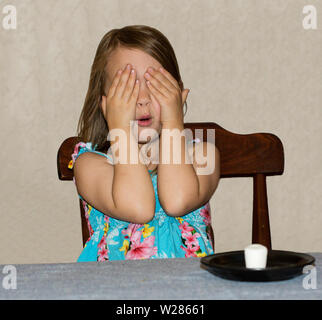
255 256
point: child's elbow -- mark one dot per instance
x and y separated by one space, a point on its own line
143 215
142 219
175 208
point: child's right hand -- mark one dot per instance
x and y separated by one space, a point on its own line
119 106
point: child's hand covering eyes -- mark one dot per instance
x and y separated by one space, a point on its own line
168 93
119 105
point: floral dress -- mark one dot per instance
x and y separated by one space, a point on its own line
163 237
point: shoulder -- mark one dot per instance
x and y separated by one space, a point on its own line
91 173
86 151
92 159
90 164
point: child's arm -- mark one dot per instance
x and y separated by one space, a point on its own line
180 189
122 191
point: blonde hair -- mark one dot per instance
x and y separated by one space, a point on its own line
92 126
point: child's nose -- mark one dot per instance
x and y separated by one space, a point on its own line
144 95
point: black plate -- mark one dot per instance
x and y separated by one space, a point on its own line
281 265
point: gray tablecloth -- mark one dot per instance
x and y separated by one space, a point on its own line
168 279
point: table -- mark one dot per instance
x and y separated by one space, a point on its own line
151 279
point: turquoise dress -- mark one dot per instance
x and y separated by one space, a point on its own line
163 237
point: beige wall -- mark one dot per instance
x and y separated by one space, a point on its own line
250 65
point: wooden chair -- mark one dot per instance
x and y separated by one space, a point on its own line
254 155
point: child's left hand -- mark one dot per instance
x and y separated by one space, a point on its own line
167 92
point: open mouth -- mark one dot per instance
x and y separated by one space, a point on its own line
145 121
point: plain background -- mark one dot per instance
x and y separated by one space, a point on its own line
251 67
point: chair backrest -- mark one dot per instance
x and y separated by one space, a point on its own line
255 155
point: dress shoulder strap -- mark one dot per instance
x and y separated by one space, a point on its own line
83 147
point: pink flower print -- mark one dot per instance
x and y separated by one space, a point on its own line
141 250
102 243
193 248
185 228
102 254
191 239
190 251
75 153
132 227
205 212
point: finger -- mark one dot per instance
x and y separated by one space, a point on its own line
130 85
135 93
123 81
158 84
161 78
114 84
154 90
156 105
169 76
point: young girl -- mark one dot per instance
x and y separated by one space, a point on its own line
146 209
